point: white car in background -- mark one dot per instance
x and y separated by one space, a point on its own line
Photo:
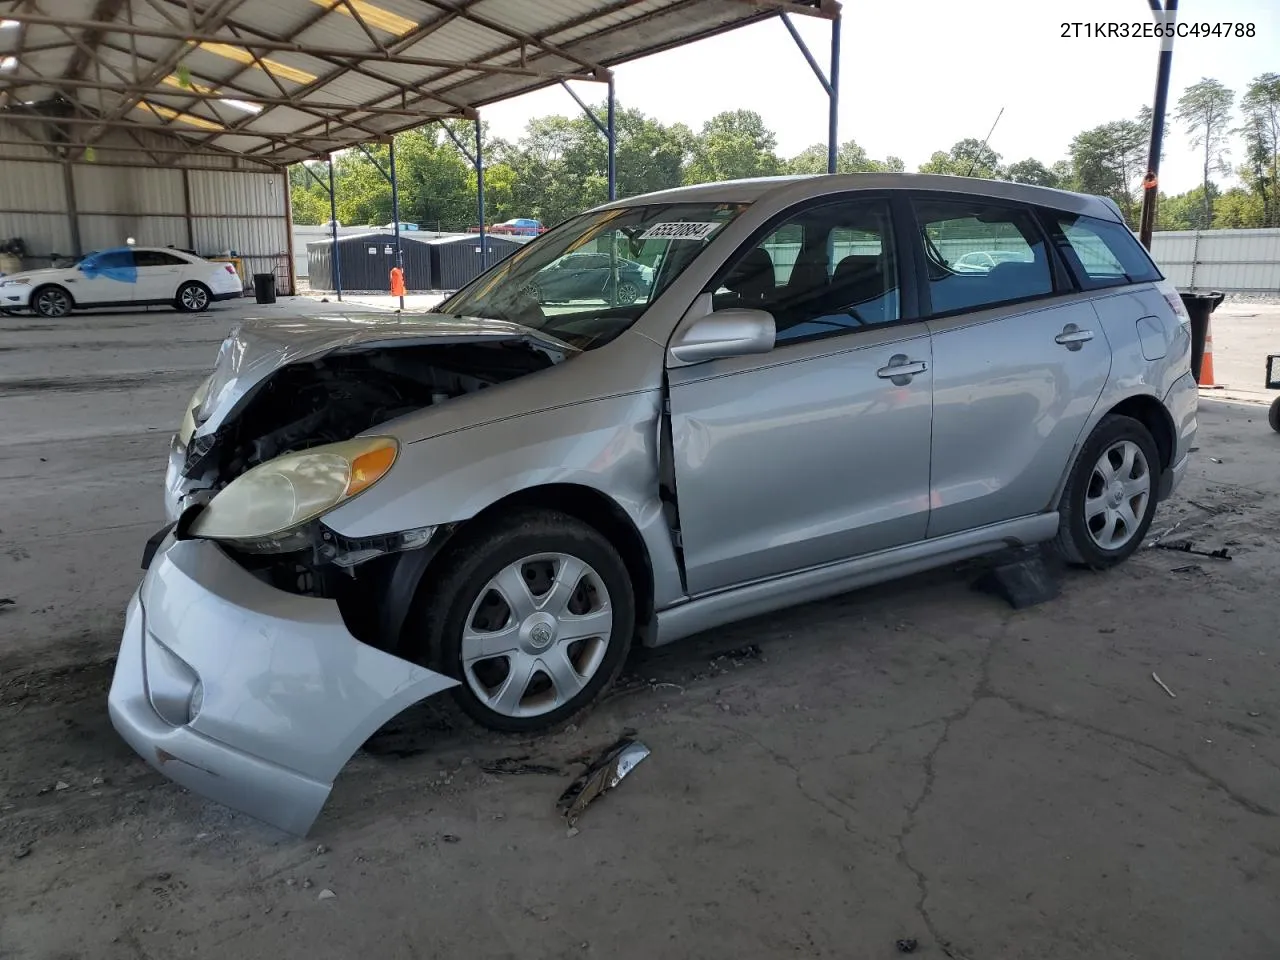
130 276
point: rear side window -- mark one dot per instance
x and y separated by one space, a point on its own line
155 258
981 255
1103 253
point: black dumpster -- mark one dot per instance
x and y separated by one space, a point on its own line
1199 307
264 287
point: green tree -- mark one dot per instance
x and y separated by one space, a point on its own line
1261 132
1109 161
851 157
733 145
1205 109
1238 208
966 158
1032 171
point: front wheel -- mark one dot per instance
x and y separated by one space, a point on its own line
1273 415
534 615
1110 495
51 302
192 298
626 294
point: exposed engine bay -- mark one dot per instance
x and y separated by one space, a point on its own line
339 396
326 400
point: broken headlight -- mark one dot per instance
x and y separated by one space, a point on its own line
188 426
263 508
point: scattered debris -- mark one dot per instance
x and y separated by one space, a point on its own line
61 785
517 765
603 774
450 838
1164 533
1164 686
1214 460
6 602
1254 713
1189 568
22 853
1184 546
322 849
907 945
326 894
1106 629
306 884
572 832
739 656
98 781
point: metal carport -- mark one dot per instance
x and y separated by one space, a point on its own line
98 96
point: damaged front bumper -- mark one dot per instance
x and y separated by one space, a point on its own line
245 694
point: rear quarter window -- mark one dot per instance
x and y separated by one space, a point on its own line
1102 253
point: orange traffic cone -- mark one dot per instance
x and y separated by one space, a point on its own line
1206 363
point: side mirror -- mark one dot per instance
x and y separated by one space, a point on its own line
735 332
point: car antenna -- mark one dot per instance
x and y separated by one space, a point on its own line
974 163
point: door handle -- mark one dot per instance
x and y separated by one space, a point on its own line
901 369
1072 337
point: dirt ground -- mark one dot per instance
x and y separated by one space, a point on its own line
915 761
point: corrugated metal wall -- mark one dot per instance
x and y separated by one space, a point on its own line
200 203
1232 261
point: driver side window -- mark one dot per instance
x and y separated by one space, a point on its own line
828 270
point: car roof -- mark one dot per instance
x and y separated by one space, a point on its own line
796 188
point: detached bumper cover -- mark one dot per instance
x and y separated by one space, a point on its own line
245 694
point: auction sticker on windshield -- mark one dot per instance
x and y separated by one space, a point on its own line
680 231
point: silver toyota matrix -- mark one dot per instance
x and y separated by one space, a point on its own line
826 382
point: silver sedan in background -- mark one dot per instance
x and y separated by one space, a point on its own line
498 498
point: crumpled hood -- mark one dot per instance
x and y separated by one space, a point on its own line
257 348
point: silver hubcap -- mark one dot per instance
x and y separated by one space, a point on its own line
193 298
1116 499
627 293
536 634
53 303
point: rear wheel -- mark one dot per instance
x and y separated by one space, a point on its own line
1110 496
51 302
1273 415
192 297
535 616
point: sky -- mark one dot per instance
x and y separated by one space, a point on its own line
918 75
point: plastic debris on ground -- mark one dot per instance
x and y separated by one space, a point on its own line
907 945
604 773
1164 686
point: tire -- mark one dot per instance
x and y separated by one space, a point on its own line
192 297
1103 518
460 617
51 302
626 294
1273 415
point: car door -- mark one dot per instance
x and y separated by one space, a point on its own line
817 451
104 279
1019 363
159 275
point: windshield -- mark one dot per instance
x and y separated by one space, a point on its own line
589 279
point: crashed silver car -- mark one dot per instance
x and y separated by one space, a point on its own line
498 498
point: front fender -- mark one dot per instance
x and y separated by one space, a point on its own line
609 445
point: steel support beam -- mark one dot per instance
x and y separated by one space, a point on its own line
395 209
333 229
484 233
830 80
1164 66
607 128
287 46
